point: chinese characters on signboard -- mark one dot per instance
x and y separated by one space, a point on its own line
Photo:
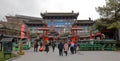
7 47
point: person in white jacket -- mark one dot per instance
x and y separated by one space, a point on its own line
66 48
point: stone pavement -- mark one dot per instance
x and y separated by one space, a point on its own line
30 55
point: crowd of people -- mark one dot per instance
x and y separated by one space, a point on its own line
63 47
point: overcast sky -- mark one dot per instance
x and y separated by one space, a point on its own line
86 8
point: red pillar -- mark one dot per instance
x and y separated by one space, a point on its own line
28 35
73 38
46 32
72 32
90 34
76 40
76 31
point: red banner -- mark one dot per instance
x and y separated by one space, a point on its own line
22 35
22 27
22 31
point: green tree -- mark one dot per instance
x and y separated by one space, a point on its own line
109 16
101 24
110 10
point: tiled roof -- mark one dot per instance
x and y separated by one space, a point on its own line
59 14
28 17
34 23
85 21
10 25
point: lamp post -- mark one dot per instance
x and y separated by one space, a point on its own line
22 36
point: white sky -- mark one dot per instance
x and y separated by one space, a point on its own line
86 8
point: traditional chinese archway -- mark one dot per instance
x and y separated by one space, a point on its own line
45 35
74 33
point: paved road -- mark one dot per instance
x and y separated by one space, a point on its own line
80 56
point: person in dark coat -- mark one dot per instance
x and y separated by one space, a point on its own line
61 47
41 44
69 45
53 46
47 47
35 46
72 47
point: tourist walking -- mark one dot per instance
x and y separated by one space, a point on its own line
53 46
60 47
66 48
35 46
75 47
47 47
69 43
72 47
41 44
